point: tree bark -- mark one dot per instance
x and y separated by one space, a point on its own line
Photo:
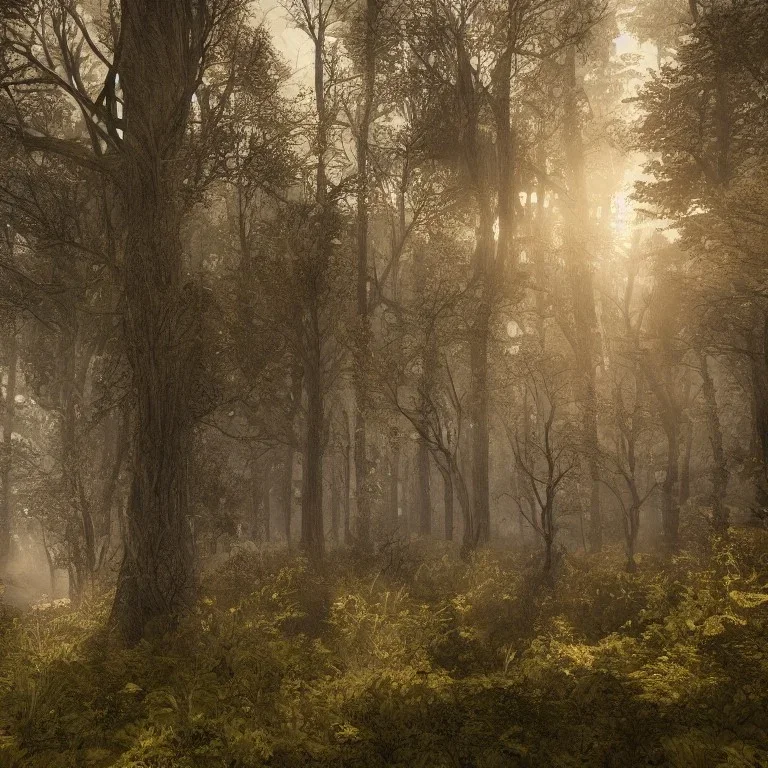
685 470
448 506
161 50
394 489
266 504
286 494
720 463
312 469
347 498
364 128
312 472
335 501
479 405
759 377
257 496
6 449
670 491
425 493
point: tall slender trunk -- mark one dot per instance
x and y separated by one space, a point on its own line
759 377
81 529
113 460
312 469
448 506
335 501
479 407
362 489
670 489
6 448
161 48
720 463
286 493
266 503
347 485
394 489
257 495
685 469
474 150
425 493
583 298
548 531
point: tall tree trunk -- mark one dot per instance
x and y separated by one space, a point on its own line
347 489
286 483
720 464
257 497
286 494
670 490
81 530
759 377
479 407
161 49
685 469
6 448
362 484
394 489
448 506
583 298
335 501
267 503
312 469
475 156
113 459
425 494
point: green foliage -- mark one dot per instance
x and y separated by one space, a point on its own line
443 664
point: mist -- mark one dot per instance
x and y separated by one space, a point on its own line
384 383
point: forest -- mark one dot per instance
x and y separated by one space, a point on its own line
383 383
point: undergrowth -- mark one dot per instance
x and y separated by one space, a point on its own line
415 660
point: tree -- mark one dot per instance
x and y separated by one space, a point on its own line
136 101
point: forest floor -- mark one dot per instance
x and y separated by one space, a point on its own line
411 659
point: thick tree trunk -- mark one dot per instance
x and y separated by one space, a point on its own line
6 449
161 51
